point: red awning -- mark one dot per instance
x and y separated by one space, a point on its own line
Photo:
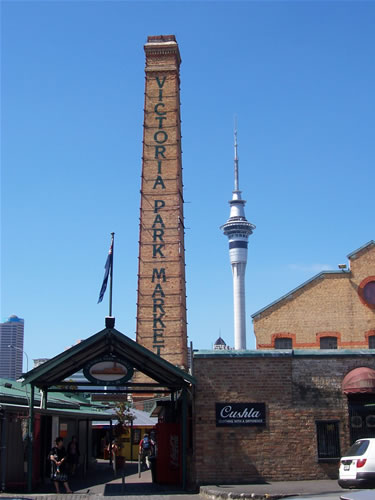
359 381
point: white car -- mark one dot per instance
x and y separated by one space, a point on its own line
358 495
357 467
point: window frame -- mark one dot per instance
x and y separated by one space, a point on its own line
321 433
326 337
278 339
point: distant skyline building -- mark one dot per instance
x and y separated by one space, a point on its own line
238 230
11 334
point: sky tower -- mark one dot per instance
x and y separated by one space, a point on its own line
238 230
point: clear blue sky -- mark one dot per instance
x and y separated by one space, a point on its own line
300 77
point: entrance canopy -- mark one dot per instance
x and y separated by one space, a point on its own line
359 381
108 360
106 344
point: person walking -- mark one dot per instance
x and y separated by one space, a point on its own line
58 458
146 450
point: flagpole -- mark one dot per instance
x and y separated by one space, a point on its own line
111 275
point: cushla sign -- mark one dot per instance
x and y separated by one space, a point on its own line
230 414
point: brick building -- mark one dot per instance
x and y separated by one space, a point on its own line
266 414
288 410
279 415
332 310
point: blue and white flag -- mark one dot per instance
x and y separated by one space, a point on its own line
107 267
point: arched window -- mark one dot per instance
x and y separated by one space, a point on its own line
328 342
283 343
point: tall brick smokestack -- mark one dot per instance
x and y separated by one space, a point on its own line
161 305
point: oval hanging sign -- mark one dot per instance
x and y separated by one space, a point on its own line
108 371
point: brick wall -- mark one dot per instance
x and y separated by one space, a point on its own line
297 390
161 302
329 305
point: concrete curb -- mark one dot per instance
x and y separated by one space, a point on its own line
51 496
220 495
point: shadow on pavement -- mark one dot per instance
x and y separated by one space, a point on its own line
101 480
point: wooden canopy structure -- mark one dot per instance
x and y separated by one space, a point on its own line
109 343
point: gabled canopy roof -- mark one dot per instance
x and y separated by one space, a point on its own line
106 342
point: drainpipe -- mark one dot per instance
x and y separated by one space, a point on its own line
184 437
87 446
131 440
3 450
110 443
30 441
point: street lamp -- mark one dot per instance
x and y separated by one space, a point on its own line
19 349
30 426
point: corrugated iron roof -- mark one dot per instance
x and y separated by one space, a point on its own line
15 395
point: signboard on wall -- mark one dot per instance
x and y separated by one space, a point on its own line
240 414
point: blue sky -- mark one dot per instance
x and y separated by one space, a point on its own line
299 76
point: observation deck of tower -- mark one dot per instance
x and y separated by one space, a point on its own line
238 229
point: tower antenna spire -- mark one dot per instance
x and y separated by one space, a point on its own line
236 184
238 229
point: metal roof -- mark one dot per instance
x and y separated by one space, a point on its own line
87 413
16 396
141 419
108 341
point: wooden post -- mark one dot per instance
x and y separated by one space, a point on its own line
184 437
30 441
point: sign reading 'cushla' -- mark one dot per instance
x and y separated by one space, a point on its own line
236 414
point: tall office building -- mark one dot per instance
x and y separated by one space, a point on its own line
11 348
238 230
161 302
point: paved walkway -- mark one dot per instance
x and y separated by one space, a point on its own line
101 482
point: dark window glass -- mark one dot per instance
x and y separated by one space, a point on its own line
328 439
328 343
283 343
358 448
369 293
371 342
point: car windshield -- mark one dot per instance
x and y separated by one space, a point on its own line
358 448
